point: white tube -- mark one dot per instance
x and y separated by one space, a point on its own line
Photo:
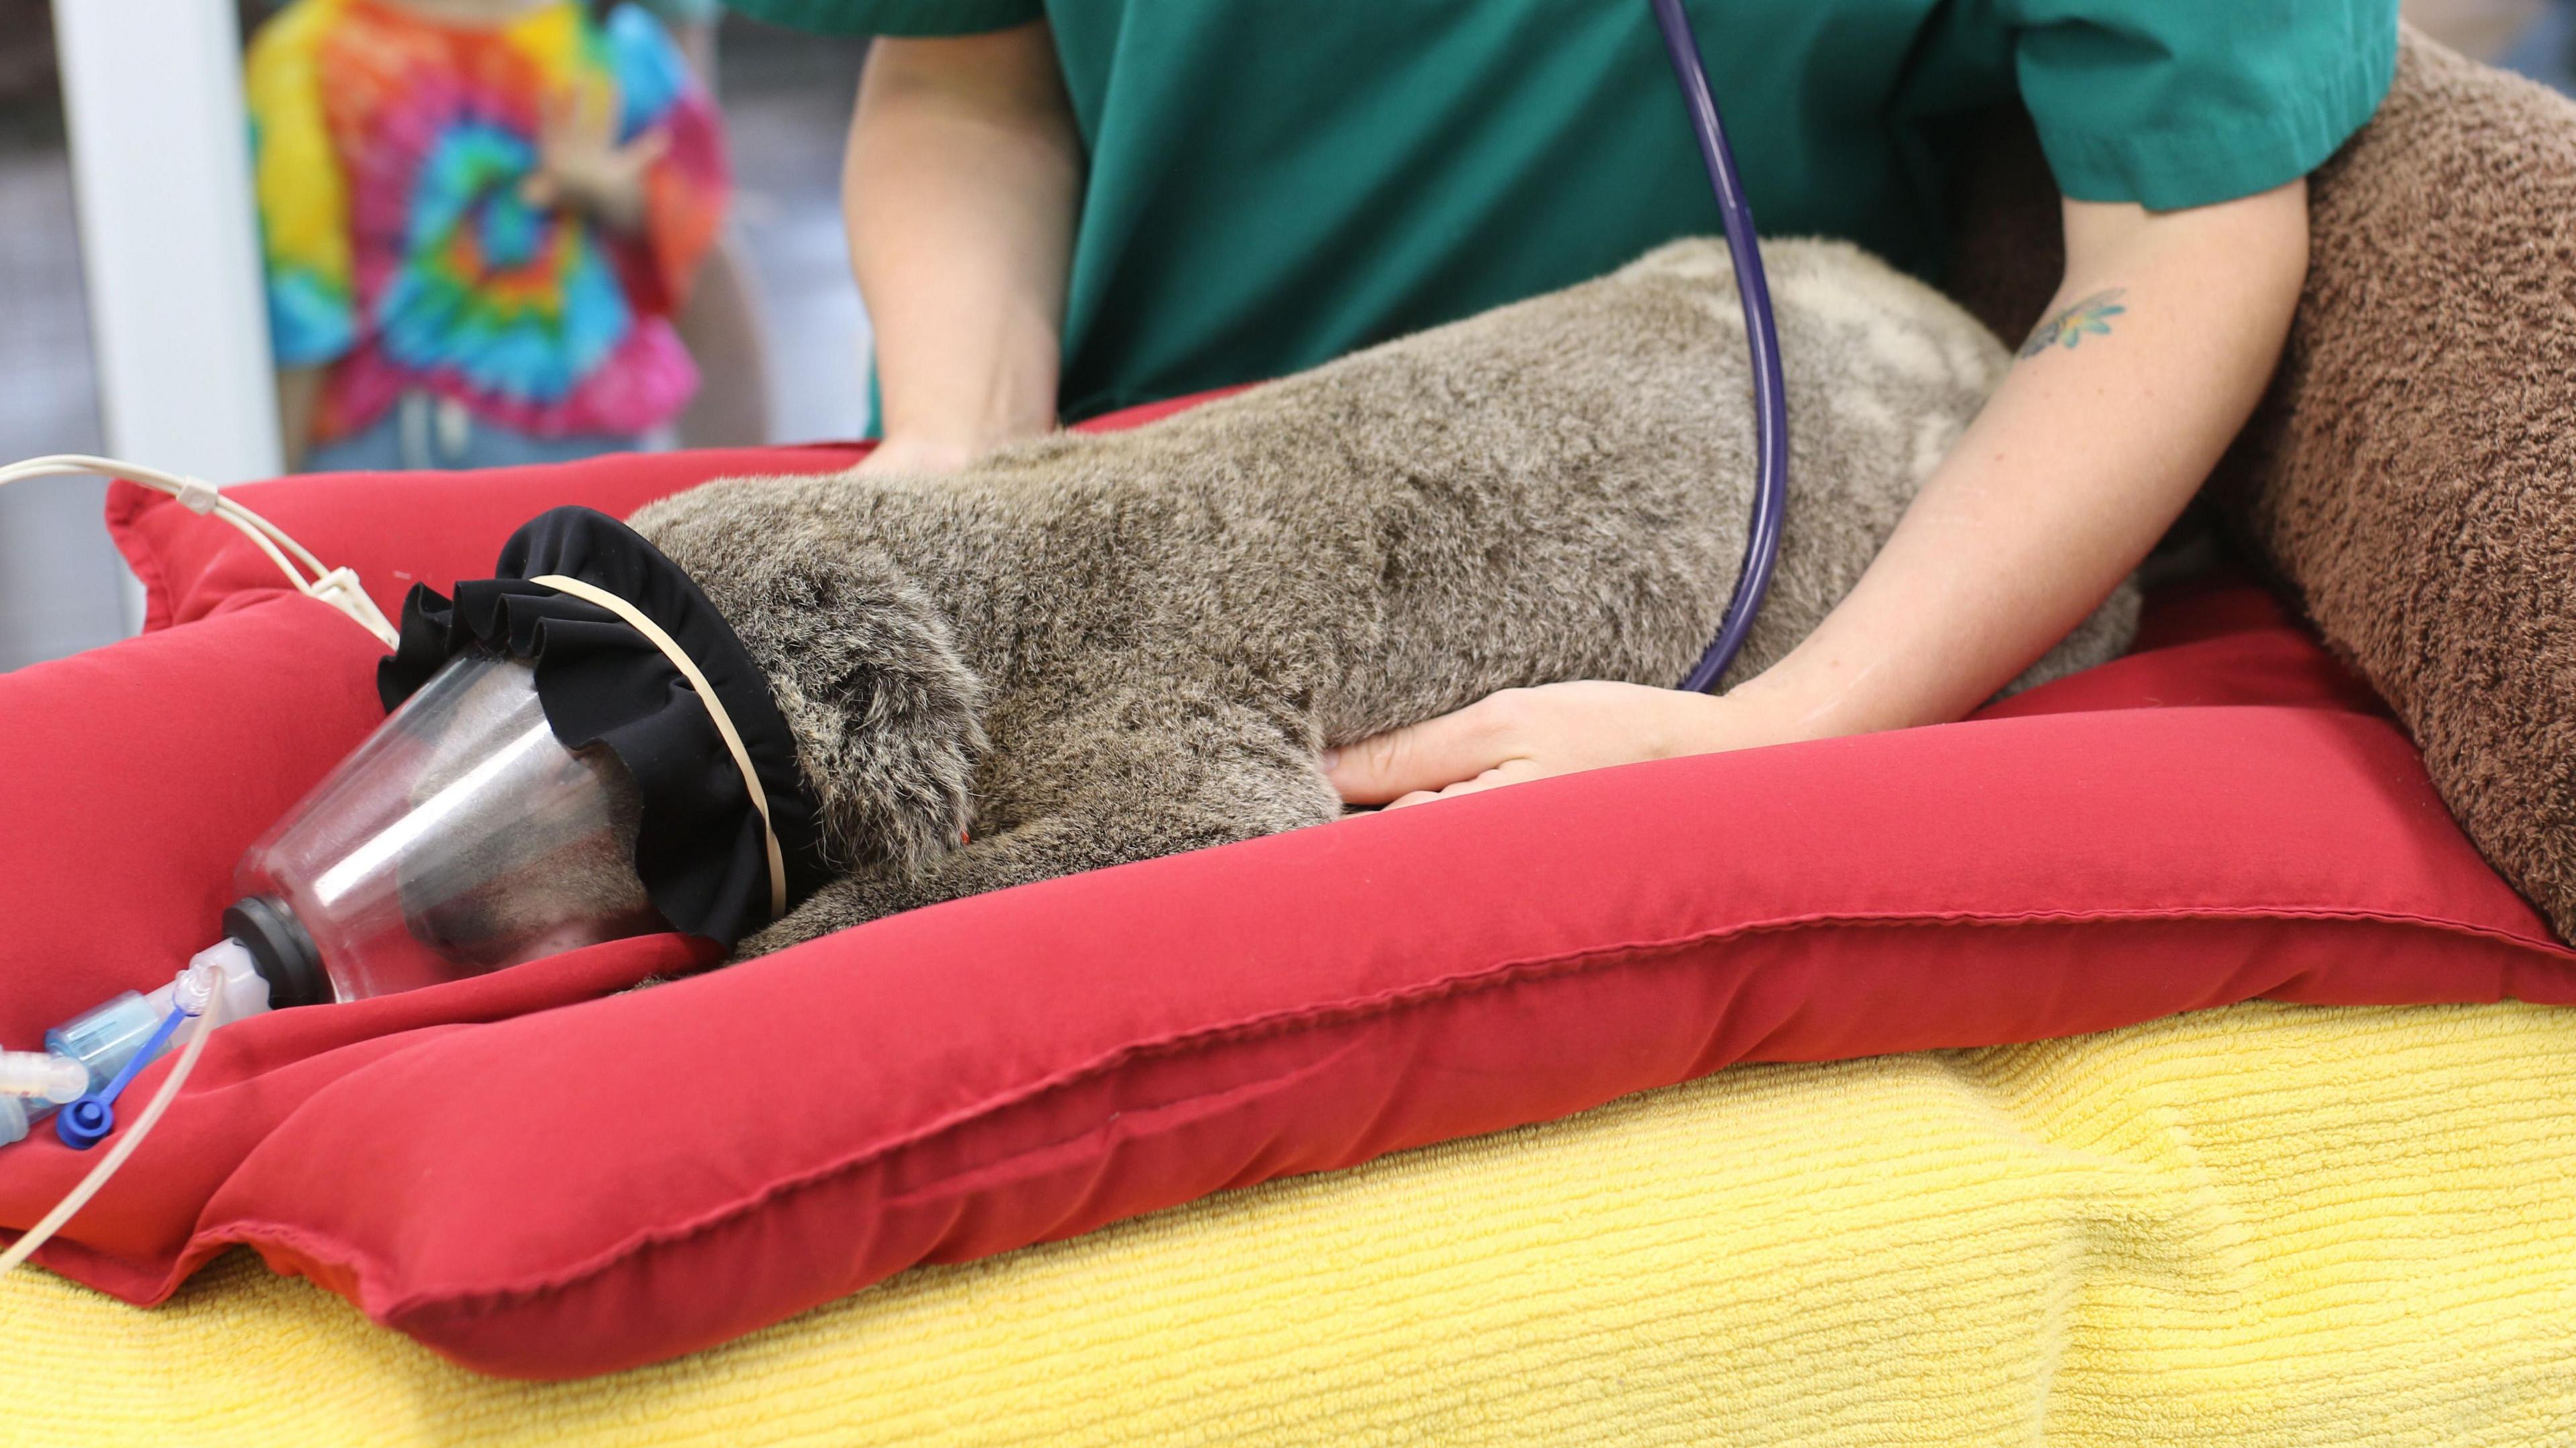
337 587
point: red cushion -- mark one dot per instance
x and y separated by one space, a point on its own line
397 529
147 767
2213 640
538 1181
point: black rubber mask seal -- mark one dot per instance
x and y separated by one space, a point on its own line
699 847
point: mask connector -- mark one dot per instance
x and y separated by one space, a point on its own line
282 949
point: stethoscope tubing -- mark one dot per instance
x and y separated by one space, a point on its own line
1762 339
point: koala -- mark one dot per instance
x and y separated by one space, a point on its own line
1088 650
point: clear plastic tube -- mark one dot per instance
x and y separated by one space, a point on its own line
106 1036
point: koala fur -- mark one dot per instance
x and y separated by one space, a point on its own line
1088 650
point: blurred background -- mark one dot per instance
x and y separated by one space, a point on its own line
785 101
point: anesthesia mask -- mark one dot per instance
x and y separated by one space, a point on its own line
580 749
462 837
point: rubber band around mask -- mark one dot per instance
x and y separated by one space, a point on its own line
670 647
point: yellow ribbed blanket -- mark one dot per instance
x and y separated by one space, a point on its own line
2253 1226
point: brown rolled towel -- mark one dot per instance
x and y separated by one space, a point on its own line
2411 474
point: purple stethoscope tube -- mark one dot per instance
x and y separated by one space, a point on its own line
1762 336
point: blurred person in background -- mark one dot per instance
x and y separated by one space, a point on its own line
720 325
478 220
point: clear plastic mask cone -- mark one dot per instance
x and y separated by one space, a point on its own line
460 838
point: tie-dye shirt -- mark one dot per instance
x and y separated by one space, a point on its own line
390 151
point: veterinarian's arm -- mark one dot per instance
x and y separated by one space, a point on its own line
2154 351
959 190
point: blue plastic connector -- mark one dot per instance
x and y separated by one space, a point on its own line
86 1122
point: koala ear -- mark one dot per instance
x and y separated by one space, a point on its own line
885 713
861 661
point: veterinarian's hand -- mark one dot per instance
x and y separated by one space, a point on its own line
1525 734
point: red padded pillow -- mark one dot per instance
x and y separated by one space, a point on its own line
592 1180
397 529
148 767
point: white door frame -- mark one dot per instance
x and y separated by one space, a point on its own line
169 237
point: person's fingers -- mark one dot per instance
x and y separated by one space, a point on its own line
539 190
1515 772
1510 771
1427 756
647 148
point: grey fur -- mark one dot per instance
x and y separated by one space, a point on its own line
1095 649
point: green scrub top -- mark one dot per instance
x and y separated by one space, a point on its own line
1273 183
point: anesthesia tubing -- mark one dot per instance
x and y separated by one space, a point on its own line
219 982
198 994
337 587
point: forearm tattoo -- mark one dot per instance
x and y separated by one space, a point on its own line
2092 315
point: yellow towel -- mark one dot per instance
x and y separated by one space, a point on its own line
2254 1226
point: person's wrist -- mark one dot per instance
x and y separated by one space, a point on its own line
1772 707
946 446
899 452
966 443
964 401
968 433
619 204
